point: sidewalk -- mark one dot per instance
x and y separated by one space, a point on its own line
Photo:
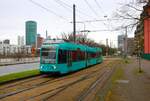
134 86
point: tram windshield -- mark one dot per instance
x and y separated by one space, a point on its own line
48 55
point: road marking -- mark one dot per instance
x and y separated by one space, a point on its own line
122 81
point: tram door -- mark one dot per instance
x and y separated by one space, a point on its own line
69 58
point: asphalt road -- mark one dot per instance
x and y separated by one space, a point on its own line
17 68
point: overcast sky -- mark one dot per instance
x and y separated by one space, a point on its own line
56 15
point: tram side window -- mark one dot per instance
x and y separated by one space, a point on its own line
82 55
78 56
74 56
62 56
93 55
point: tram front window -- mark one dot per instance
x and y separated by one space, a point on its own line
48 56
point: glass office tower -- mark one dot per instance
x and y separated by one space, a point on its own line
31 31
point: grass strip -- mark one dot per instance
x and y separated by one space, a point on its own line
17 76
105 92
117 75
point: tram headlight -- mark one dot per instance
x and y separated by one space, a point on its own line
53 66
41 67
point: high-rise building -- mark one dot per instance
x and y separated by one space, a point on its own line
20 40
31 31
121 42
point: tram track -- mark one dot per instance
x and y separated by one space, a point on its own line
22 81
57 90
101 80
50 81
23 89
69 85
63 87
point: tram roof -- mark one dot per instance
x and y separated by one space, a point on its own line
63 44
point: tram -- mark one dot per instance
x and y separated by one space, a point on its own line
60 56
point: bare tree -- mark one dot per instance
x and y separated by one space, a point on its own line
81 38
129 14
132 15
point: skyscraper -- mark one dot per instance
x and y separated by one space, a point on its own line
31 31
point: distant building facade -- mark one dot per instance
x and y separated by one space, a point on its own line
7 49
131 46
142 33
39 40
6 41
31 32
20 40
121 43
